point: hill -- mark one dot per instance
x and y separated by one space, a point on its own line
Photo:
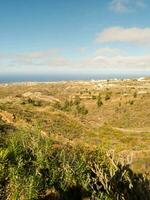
112 115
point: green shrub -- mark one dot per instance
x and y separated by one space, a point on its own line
32 167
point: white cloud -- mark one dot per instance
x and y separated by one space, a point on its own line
118 61
103 59
123 6
34 62
50 58
120 34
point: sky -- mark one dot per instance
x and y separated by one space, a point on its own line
74 36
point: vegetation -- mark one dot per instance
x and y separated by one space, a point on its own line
75 106
99 101
108 96
81 109
68 141
77 100
33 167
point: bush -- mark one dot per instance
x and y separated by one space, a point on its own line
81 109
65 106
77 100
32 167
99 101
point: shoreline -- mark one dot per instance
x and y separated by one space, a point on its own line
138 78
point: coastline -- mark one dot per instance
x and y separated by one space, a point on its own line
15 80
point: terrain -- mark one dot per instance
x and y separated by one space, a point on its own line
113 115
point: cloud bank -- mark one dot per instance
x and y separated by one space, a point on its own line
115 59
103 59
120 34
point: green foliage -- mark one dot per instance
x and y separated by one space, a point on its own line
65 106
70 105
30 166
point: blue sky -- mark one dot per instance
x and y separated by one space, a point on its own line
48 36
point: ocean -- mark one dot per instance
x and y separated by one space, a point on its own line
67 77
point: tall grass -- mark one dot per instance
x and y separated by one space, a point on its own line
34 167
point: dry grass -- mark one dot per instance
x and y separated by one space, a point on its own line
122 123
